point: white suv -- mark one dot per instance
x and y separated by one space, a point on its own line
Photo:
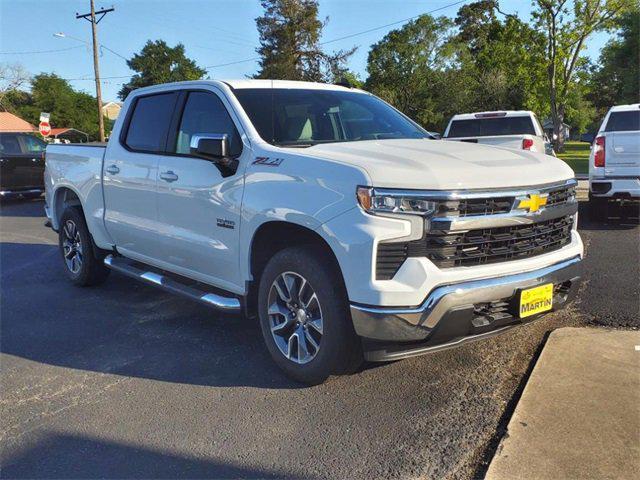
614 163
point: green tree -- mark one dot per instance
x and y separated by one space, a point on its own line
616 80
500 59
567 24
159 63
410 68
290 43
68 107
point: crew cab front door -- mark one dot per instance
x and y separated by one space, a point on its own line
199 204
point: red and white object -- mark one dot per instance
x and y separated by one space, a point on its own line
45 129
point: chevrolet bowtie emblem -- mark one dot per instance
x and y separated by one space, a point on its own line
533 202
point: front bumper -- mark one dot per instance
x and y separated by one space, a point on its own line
456 313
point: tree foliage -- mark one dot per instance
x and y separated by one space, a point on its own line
159 63
290 47
567 24
616 79
50 93
410 66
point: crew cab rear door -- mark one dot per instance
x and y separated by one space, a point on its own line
622 134
130 171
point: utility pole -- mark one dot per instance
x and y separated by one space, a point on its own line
94 31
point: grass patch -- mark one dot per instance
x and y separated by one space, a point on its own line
576 154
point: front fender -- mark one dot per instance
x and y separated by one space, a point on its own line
296 189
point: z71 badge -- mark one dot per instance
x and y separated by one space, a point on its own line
269 162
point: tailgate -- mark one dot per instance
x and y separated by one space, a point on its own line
625 149
506 141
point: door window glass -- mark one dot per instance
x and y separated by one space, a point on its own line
31 144
9 145
150 122
205 113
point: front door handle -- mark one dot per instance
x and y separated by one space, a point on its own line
169 176
112 169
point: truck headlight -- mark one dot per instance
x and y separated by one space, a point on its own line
385 200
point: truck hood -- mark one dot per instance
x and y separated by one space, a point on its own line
438 165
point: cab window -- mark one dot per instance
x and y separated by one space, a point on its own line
149 123
31 144
205 113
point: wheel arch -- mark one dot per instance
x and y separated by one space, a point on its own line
63 197
274 236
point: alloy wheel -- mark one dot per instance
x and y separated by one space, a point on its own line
72 246
295 317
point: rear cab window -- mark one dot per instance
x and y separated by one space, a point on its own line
623 121
486 127
149 122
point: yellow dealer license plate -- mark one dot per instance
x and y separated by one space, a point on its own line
536 300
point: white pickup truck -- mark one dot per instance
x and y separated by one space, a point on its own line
519 129
614 163
324 212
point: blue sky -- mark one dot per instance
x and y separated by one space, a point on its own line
214 32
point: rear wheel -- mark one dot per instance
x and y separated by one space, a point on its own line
81 266
305 318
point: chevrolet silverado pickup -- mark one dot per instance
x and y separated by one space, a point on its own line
614 162
332 218
519 129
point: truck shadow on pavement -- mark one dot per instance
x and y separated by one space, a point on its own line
121 327
618 218
70 456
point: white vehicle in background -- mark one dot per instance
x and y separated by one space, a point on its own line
518 129
614 163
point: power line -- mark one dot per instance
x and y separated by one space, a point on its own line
42 51
392 23
253 59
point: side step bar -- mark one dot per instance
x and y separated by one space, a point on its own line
214 300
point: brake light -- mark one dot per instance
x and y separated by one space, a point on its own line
527 143
599 152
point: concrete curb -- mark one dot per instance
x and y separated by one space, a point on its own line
578 416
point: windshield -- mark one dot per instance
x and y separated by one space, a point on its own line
301 117
485 127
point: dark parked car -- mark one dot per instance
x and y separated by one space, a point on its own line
21 165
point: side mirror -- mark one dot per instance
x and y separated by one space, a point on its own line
209 145
215 148
436 135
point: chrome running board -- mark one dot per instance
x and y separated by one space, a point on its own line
173 285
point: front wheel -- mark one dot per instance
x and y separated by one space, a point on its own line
304 316
76 246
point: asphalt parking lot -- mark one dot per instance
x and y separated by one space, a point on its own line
126 381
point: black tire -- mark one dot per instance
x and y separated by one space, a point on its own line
598 208
340 349
90 270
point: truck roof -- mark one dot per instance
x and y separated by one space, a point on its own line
501 113
625 108
250 83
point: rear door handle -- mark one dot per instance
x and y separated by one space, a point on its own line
112 169
169 176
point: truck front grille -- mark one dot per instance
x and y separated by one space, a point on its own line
448 249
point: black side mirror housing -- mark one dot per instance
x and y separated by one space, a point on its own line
211 146
215 148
